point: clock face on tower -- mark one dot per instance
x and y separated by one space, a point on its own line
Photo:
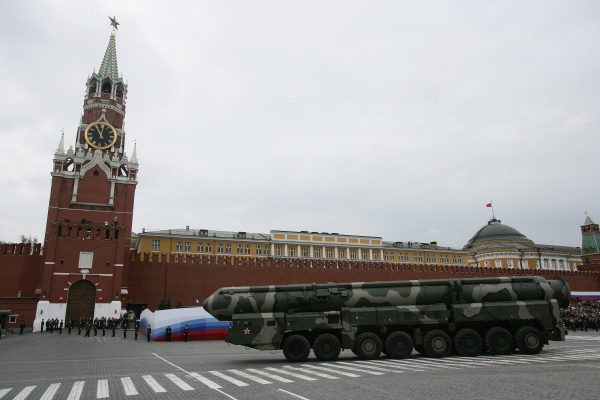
100 135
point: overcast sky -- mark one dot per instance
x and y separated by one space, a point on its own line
398 119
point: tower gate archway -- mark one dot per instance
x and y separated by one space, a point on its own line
81 300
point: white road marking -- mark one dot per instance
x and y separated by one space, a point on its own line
338 365
365 364
153 384
281 371
456 362
50 392
128 387
350 374
75 393
390 364
102 390
24 393
4 392
410 364
275 377
251 377
236 382
176 380
206 381
308 371
430 364
294 394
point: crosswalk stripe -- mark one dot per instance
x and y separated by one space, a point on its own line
176 380
251 377
153 384
268 375
76 390
4 392
460 364
365 364
430 364
390 364
24 393
50 392
128 386
338 365
236 382
410 364
350 374
102 390
308 371
514 359
206 381
295 375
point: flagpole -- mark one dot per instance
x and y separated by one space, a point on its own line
493 216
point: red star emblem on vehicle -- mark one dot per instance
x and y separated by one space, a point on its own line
247 331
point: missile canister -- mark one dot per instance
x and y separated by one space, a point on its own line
226 302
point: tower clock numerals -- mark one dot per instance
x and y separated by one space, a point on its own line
100 135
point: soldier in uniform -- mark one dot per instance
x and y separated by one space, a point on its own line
124 332
168 331
88 328
186 331
48 325
149 332
42 325
136 331
22 328
60 326
113 328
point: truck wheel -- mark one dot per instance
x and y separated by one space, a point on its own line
399 344
368 346
437 344
468 343
327 347
529 340
499 341
296 348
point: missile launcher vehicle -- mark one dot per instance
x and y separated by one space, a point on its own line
433 317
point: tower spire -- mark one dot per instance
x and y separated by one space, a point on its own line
109 62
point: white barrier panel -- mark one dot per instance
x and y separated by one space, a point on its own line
201 325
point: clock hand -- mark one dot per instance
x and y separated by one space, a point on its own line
100 131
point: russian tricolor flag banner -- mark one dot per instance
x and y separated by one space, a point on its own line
201 324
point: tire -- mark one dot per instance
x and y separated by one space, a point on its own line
529 340
368 346
499 341
327 347
296 348
468 343
399 345
437 344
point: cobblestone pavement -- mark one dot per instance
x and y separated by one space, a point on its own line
54 366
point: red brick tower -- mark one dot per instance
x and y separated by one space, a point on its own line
90 212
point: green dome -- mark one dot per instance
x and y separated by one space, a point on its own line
495 230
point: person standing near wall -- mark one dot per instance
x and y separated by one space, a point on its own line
42 330
186 331
22 328
168 331
149 332
60 326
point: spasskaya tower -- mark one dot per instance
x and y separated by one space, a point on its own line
90 212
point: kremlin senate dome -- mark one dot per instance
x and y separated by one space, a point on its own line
495 230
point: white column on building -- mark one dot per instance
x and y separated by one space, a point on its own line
285 250
298 252
370 254
272 249
311 252
324 252
335 252
348 253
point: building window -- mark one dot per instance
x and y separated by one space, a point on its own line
240 249
200 247
266 250
228 248
391 256
247 249
329 253
545 264
341 253
258 250
498 264
386 256
376 255
537 264
418 257
209 247
365 255
510 263
220 248
318 253
457 259
12 319
443 259
560 264
188 246
178 246
292 251
553 263
155 245
486 264
279 251
353 254
305 252
525 264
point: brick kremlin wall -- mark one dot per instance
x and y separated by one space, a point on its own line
192 278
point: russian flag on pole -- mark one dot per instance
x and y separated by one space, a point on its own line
489 204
